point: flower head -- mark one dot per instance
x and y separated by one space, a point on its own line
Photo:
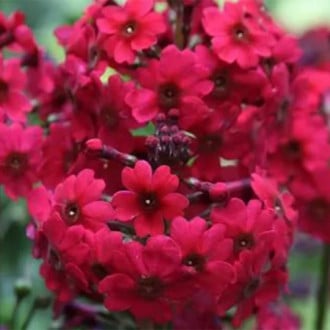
130 29
20 157
150 198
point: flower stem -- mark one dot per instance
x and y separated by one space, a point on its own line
15 312
323 292
178 7
29 316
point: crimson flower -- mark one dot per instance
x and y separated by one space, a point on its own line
236 36
256 286
166 86
150 198
146 280
248 225
204 252
13 103
78 201
130 28
20 156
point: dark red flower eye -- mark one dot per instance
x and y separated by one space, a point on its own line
3 90
149 201
293 150
169 96
243 241
195 260
210 143
318 209
150 287
129 29
71 213
240 33
16 162
110 117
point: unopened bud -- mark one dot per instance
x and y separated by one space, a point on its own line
94 144
22 288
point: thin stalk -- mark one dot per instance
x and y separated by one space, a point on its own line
29 316
323 292
15 312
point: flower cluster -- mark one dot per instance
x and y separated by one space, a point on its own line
169 160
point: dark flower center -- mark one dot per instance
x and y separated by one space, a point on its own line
293 150
2 29
71 213
251 287
149 201
3 90
220 83
59 98
16 163
150 287
169 95
110 117
99 270
195 260
240 33
210 143
244 241
319 209
129 29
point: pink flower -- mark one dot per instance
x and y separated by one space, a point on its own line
256 286
130 29
13 103
204 252
249 226
166 86
115 117
78 201
237 37
150 198
20 157
147 279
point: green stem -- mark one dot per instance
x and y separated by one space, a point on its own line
29 316
14 312
323 292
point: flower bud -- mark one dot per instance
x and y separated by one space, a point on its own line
22 288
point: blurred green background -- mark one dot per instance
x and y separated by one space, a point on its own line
15 260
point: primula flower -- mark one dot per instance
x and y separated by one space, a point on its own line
146 280
237 37
166 86
304 148
20 157
204 253
268 191
115 118
78 201
59 153
13 103
256 286
130 29
150 198
248 225
277 316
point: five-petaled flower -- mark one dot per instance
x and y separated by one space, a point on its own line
150 198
